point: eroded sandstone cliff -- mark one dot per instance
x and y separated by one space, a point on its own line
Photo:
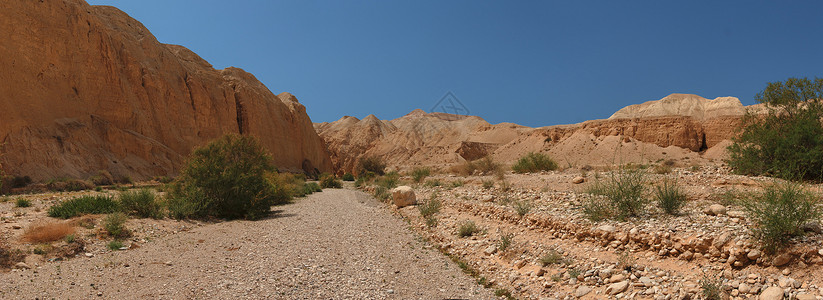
87 88
679 126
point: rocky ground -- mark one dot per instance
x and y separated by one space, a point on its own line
337 244
656 256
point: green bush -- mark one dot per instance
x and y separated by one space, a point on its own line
670 197
534 162
371 164
99 204
311 187
103 177
779 213
467 228
388 181
788 141
114 224
348 177
487 184
418 174
22 202
382 193
142 203
430 207
225 179
551 257
624 191
115 245
328 181
522 207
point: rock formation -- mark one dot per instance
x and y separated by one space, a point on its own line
88 88
680 126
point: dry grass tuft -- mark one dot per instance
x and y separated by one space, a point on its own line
47 232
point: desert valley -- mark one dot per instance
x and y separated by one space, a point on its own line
133 169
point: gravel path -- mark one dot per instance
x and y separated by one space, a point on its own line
335 244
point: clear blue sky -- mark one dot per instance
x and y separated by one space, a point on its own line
534 63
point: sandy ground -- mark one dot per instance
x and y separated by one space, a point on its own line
338 244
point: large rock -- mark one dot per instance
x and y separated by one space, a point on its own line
403 196
772 293
617 288
88 88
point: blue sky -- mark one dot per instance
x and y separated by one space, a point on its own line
534 63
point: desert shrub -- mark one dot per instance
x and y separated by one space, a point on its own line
115 245
522 207
487 184
382 193
433 183
430 207
670 197
457 183
115 225
505 241
47 232
103 177
418 174
68 185
142 203
779 213
534 162
348 177
484 166
163 179
225 179
787 142
328 181
551 257
467 228
22 202
624 191
9 257
711 287
99 204
311 187
19 181
662 169
371 164
388 181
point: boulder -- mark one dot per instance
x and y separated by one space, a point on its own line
578 180
772 293
715 210
403 196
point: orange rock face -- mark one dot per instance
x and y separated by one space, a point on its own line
87 88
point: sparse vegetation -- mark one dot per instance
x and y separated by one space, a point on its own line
711 287
484 166
99 204
467 228
662 169
779 213
522 207
103 177
22 202
418 174
328 181
624 192
115 225
429 207
505 241
534 162
551 257
371 164
670 197
225 179
433 183
141 203
487 184
457 183
47 232
115 245
348 177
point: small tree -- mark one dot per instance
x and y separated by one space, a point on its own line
371 164
226 179
787 142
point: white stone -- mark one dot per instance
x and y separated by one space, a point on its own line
403 196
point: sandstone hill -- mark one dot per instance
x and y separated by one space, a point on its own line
88 88
686 128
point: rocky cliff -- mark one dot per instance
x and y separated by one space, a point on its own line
680 126
87 88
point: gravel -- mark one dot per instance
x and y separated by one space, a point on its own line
331 245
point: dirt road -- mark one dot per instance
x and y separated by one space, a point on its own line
331 245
